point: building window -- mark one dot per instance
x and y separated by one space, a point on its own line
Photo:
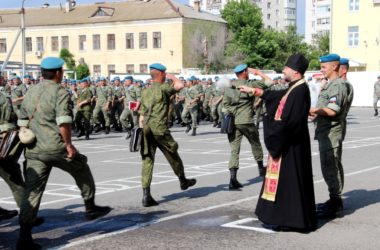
96 42
130 68
28 44
129 43
353 36
3 45
111 69
82 42
143 68
156 39
277 12
97 70
65 42
268 16
143 40
54 43
353 5
268 5
323 21
111 41
40 43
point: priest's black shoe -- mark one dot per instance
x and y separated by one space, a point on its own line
148 200
93 211
186 183
7 214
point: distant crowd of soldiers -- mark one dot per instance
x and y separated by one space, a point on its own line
103 105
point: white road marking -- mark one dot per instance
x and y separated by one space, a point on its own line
180 215
239 225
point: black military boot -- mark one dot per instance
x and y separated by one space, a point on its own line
87 135
7 214
194 133
107 130
186 183
234 183
129 134
215 124
331 209
376 113
188 128
25 240
81 133
262 169
93 211
97 128
148 200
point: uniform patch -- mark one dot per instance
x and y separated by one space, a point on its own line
333 99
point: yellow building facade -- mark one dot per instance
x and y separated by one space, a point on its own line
119 37
355 32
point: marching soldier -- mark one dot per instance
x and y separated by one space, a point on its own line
18 92
83 106
117 104
191 107
103 105
376 95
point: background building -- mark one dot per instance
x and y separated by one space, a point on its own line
118 37
355 32
317 18
277 14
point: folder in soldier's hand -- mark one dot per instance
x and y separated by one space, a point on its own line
132 105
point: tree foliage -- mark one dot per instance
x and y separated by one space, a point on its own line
82 71
66 56
262 47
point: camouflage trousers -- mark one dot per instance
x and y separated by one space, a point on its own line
332 170
106 115
11 173
193 111
37 171
252 134
85 116
129 117
168 147
216 112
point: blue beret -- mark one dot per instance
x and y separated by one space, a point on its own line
28 76
189 79
73 81
193 78
15 77
102 78
240 68
63 80
203 79
329 58
52 63
116 78
157 66
209 78
344 61
128 78
216 78
84 80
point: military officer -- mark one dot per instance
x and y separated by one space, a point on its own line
329 115
191 107
132 95
83 105
45 111
117 104
240 105
153 120
343 70
206 101
18 92
103 105
216 104
376 94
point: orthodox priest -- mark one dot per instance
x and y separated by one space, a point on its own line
286 199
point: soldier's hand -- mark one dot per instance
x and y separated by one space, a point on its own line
245 89
71 150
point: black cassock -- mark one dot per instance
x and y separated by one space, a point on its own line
294 205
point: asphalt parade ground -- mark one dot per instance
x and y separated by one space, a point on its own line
208 215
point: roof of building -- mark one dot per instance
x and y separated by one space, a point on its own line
132 10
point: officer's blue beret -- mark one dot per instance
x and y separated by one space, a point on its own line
193 78
116 78
209 78
329 58
73 82
84 80
28 76
240 68
344 61
15 77
128 78
63 80
52 63
216 78
102 78
157 66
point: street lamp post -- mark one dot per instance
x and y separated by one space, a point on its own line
23 37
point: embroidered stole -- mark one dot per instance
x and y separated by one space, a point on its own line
272 175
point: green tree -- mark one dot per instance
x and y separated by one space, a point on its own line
82 71
320 46
66 56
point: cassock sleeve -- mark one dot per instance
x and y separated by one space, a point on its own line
278 135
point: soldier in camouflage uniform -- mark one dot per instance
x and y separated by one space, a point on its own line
191 107
216 105
376 95
9 168
206 101
329 115
47 105
83 114
240 105
132 94
103 105
117 104
343 70
153 119
18 92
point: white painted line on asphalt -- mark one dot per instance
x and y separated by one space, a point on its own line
239 225
180 215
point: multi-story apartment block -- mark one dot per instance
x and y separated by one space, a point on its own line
317 18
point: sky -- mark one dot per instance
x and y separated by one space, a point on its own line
14 4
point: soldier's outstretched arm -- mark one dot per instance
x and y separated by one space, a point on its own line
177 84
